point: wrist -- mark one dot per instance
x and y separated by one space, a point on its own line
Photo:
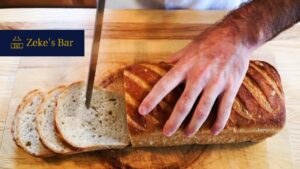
232 34
250 34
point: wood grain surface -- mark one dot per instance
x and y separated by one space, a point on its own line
131 36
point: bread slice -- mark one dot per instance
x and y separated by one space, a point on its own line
46 127
103 126
26 134
19 108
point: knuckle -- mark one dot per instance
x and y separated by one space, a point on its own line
199 115
161 87
176 70
220 79
231 83
207 103
195 76
240 68
186 97
182 109
227 107
194 85
198 75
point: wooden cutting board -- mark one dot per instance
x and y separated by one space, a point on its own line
129 36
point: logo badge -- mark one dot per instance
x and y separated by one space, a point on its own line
16 43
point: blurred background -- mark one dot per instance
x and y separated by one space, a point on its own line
110 4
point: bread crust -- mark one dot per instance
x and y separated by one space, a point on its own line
19 108
69 149
56 120
27 99
258 110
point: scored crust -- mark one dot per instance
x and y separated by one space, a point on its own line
258 110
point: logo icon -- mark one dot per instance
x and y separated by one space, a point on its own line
16 43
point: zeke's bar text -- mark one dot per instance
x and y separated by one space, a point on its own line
42 43
30 42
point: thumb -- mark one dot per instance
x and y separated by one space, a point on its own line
174 58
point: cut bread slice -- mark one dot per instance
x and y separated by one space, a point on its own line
45 124
103 126
19 108
25 130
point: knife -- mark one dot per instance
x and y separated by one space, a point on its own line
95 51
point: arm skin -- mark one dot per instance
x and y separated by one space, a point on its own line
261 20
215 63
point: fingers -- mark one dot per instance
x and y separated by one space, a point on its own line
167 83
182 107
203 109
224 110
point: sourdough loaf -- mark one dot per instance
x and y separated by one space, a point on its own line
257 113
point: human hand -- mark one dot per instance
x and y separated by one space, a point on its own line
214 64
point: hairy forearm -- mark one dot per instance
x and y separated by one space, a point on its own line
261 20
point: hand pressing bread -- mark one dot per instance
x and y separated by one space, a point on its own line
258 109
213 65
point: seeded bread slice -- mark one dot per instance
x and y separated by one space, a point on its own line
45 124
103 126
26 133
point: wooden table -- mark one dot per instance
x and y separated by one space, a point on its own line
134 36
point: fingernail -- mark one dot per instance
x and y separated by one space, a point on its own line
188 134
167 133
142 110
215 132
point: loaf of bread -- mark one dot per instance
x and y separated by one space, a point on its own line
257 113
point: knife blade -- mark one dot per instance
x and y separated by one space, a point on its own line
95 51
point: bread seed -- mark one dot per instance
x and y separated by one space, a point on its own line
112 99
28 143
